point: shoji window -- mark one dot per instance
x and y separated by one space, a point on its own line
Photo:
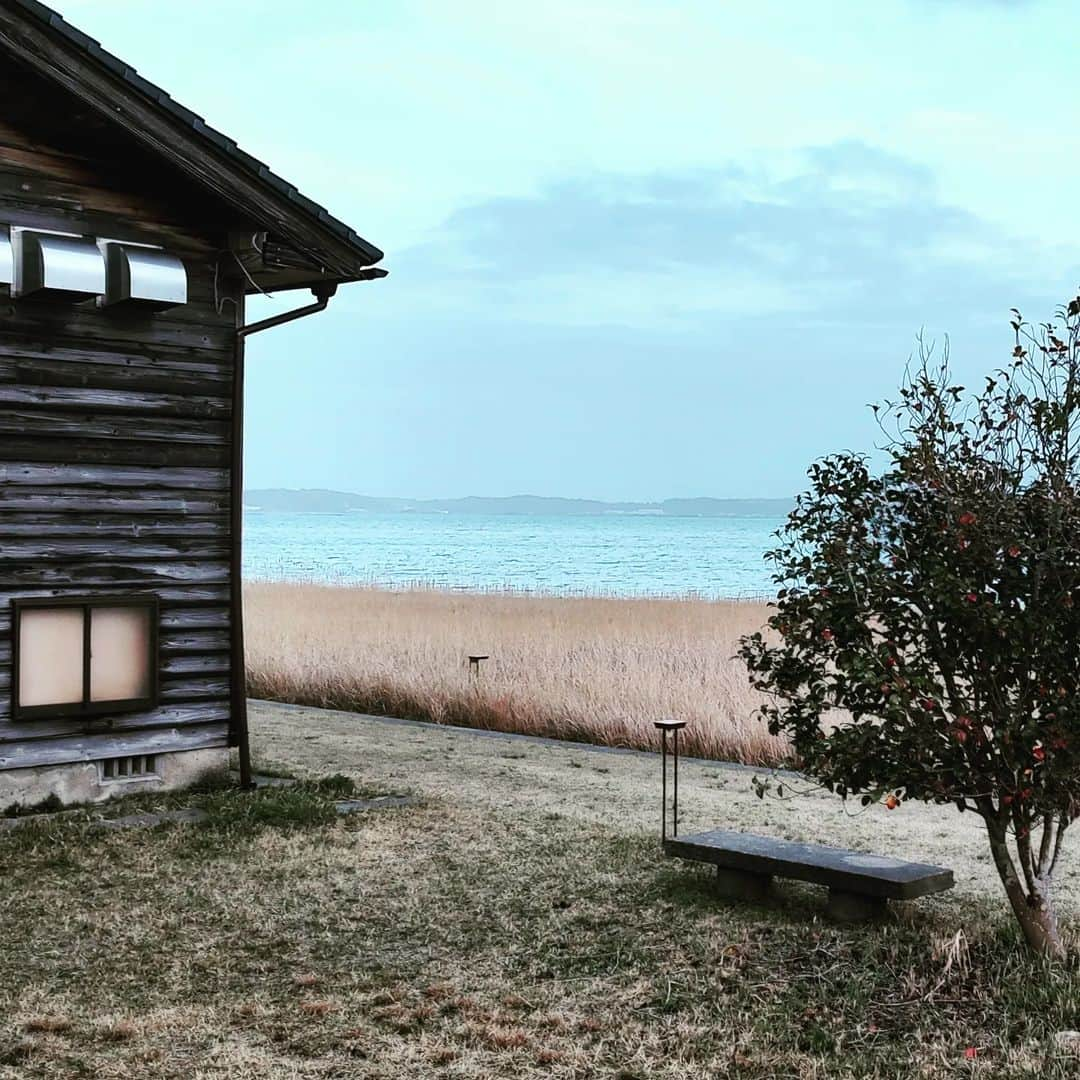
84 656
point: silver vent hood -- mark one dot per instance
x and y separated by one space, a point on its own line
142 277
56 265
6 269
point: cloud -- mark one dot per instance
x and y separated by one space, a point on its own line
840 232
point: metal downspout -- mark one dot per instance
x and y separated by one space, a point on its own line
322 294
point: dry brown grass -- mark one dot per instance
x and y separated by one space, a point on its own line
517 923
588 669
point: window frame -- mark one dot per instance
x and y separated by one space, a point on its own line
86 707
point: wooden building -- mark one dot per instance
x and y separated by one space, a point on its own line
130 234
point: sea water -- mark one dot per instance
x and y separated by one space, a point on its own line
611 554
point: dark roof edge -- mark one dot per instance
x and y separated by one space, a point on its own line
318 217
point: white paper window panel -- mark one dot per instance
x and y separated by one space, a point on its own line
50 656
119 653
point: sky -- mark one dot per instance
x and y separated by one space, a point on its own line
637 250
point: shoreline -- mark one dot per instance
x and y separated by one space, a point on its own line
507 590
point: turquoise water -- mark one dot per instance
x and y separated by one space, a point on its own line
613 554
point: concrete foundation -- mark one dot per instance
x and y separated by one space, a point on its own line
742 885
84 781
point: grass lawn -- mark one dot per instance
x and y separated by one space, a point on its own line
517 923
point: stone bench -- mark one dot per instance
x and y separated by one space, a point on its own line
860 885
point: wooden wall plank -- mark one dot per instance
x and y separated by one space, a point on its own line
194 688
144 378
75 327
65 749
112 452
140 503
192 479
148 356
197 712
181 596
87 526
63 549
134 576
56 424
137 353
114 401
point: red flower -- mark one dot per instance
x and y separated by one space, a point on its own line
971 1053
963 721
827 634
1039 754
890 661
929 704
967 518
1026 793
972 598
892 802
960 735
965 543
1014 551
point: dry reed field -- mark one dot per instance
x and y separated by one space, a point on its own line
589 669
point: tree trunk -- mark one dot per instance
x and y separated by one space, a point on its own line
1034 911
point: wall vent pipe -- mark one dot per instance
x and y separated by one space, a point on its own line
56 265
142 277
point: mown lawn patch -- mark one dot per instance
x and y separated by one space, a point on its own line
277 938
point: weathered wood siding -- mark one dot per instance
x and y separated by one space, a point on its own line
115 436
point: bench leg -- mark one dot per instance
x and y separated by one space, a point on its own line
854 907
741 884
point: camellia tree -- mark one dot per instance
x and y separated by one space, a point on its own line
925 642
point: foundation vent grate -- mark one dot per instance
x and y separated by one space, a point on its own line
123 768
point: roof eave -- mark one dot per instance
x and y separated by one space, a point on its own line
105 83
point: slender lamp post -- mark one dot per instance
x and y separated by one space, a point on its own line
664 726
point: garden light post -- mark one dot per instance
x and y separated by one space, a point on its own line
664 726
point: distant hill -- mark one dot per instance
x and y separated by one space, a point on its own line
319 500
